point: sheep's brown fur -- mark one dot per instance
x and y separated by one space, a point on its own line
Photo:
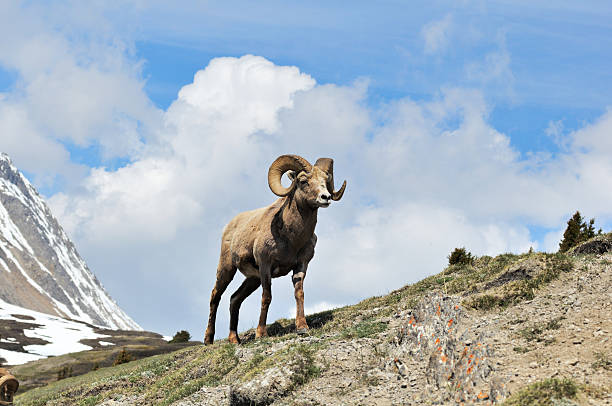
272 241
8 387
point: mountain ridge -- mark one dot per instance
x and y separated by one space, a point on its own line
40 268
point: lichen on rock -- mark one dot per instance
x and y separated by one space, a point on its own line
458 360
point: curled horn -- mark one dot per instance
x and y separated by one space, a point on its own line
8 387
281 165
327 164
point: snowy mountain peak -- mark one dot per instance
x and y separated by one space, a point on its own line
40 269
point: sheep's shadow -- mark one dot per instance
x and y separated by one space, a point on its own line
284 327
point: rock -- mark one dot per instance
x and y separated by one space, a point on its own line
458 361
271 384
597 245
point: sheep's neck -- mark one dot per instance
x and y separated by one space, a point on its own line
299 221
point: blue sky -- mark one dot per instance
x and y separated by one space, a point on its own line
495 115
556 53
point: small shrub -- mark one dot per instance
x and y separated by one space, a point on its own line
554 324
535 331
544 393
305 363
460 256
123 358
486 302
182 336
531 333
602 361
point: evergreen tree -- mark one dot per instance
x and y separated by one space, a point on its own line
571 236
181 337
576 232
460 256
588 231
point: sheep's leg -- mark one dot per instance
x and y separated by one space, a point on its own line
225 274
299 274
266 298
248 286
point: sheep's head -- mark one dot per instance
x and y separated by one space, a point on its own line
313 184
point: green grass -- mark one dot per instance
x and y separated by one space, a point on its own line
547 268
306 368
544 393
162 378
90 401
364 329
207 369
43 371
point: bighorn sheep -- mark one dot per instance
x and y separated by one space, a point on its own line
271 241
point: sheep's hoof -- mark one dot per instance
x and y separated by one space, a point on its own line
209 338
233 338
302 331
261 332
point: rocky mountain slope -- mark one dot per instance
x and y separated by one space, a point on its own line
529 329
40 269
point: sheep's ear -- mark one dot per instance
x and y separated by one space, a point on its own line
291 175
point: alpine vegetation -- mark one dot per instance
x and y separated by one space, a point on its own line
272 241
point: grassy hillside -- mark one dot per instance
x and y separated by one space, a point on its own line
138 344
504 323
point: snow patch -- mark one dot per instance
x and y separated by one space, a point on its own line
16 358
4 265
105 343
63 335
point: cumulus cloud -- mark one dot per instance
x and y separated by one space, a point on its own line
210 141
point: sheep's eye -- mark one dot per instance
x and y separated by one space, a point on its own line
303 181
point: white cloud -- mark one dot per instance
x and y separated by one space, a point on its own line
436 35
76 84
552 240
390 246
314 308
210 140
25 143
